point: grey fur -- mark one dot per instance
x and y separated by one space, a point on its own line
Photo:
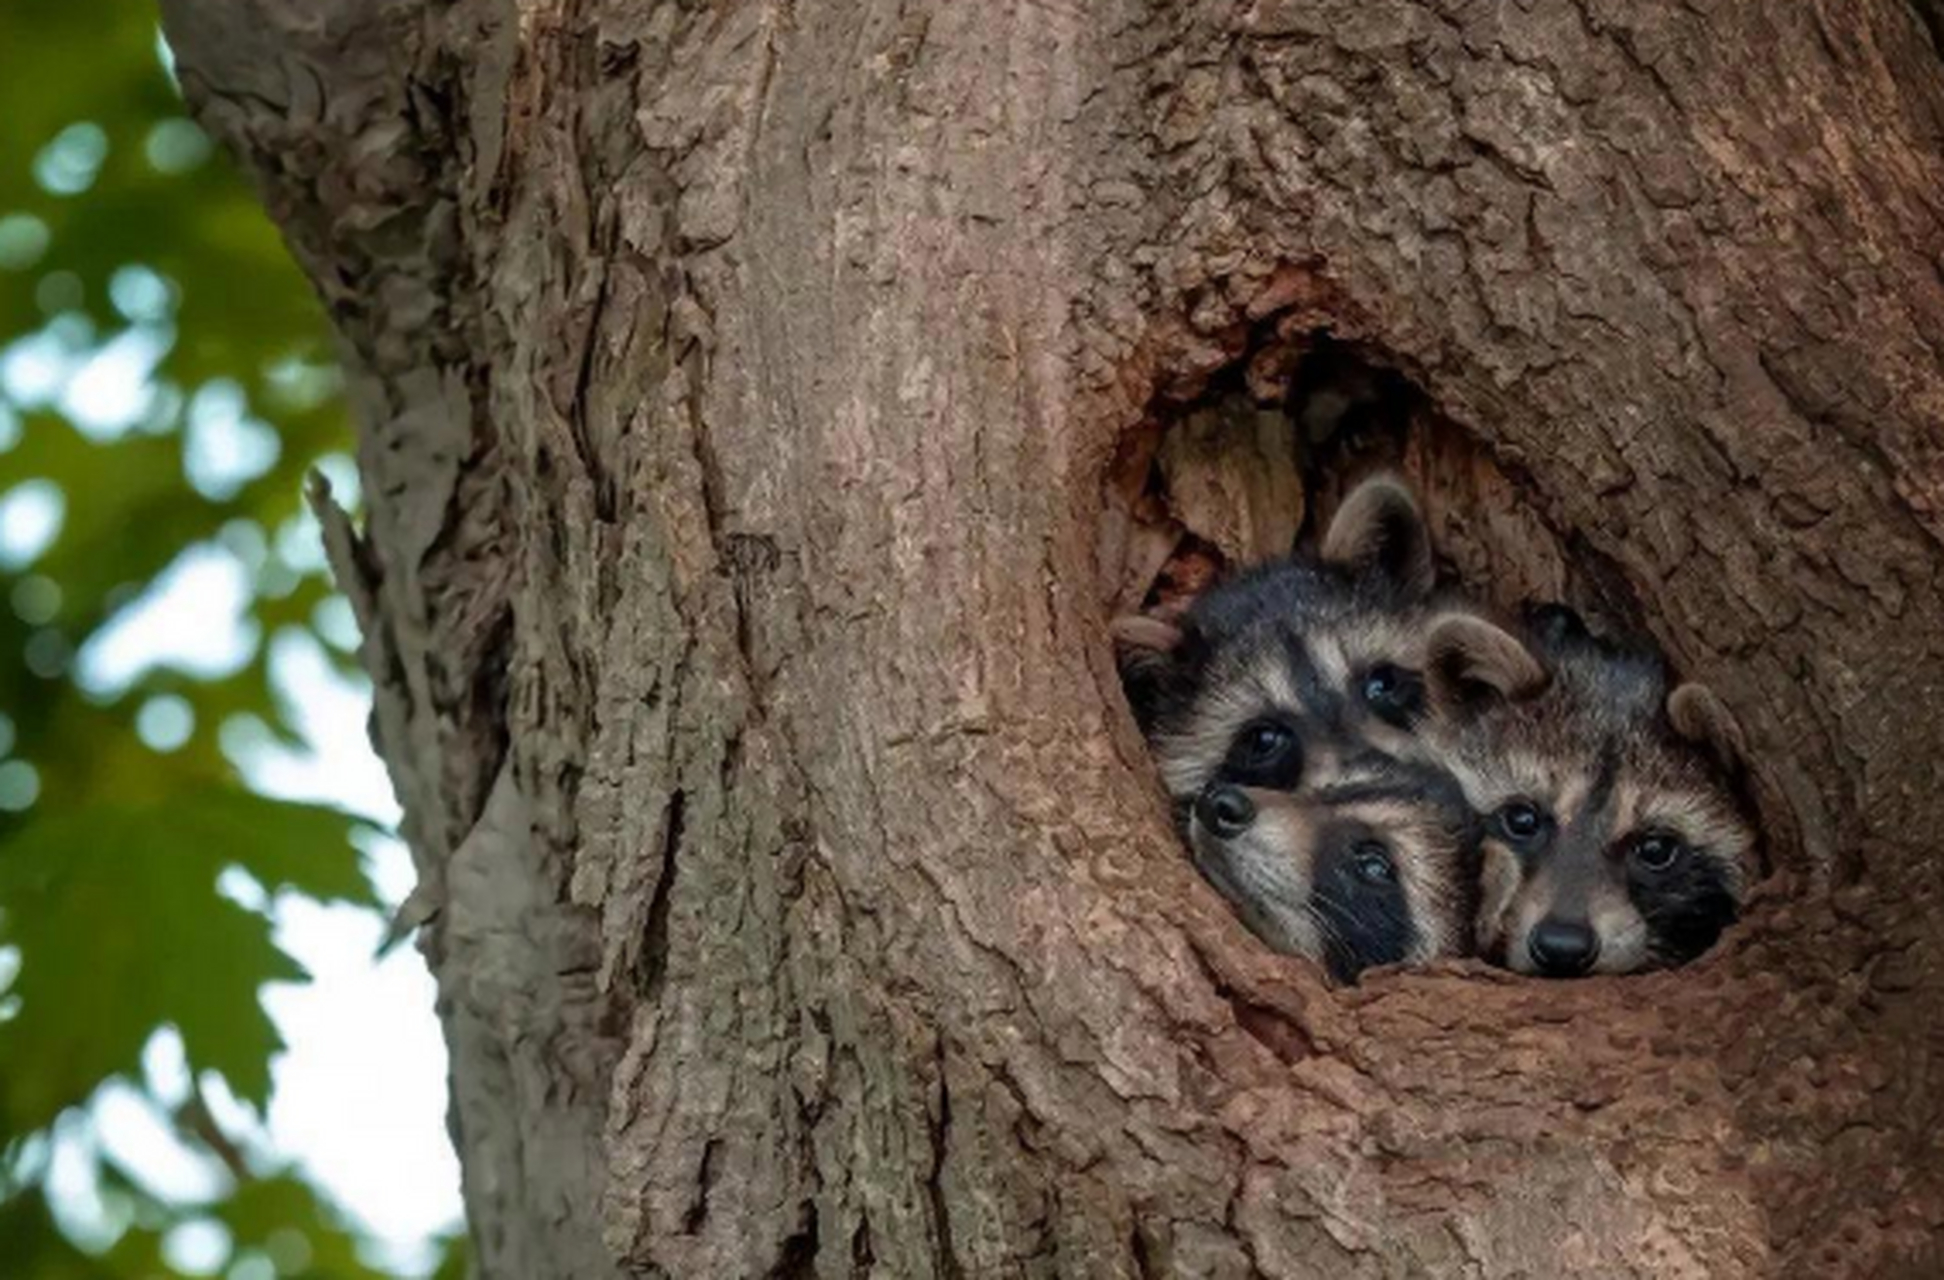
1605 753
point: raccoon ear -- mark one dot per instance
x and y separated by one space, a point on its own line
1703 719
1469 660
1379 529
1139 637
1148 653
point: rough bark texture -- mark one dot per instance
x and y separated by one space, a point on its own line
743 390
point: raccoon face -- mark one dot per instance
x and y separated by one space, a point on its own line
1373 868
1293 665
1280 697
1612 838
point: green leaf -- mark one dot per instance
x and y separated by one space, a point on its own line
33 1247
283 844
279 1217
121 931
108 882
285 1218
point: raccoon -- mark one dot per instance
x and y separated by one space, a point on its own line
1376 867
1613 837
1277 708
1293 664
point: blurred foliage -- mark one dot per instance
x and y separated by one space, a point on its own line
165 384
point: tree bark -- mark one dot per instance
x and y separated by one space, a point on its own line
742 389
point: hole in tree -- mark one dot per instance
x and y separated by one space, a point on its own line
1254 460
1254 466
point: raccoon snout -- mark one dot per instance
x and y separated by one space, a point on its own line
1563 948
1226 811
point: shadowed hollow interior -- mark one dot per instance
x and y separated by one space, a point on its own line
1254 463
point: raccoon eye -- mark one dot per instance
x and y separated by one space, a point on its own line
1521 821
1373 864
1657 851
1263 742
1266 753
1396 695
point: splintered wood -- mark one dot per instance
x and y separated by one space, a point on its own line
1229 483
1233 479
1221 487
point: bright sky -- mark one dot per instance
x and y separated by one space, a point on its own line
360 1096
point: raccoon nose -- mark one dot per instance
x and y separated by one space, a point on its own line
1226 811
1563 948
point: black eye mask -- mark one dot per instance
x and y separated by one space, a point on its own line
1358 898
1266 753
1686 904
1393 694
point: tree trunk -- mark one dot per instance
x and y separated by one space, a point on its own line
747 395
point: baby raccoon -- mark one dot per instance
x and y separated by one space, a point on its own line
1613 840
1294 664
1376 867
1275 708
